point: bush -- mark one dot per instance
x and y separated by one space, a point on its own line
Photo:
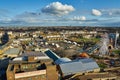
102 65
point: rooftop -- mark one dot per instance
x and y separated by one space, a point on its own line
33 53
52 55
76 66
62 60
25 66
12 51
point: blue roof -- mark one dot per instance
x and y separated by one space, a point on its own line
76 66
52 55
62 60
85 60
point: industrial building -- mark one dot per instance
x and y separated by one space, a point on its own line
68 67
62 60
30 69
26 70
80 66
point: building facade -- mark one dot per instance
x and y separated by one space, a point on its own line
29 69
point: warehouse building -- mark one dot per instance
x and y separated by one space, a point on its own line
61 60
68 67
80 66
30 69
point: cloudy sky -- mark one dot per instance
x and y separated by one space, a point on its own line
60 13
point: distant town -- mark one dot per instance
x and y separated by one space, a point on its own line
60 53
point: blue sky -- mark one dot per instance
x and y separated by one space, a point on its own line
60 13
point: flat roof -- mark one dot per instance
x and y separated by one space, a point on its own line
35 58
33 53
12 51
23 62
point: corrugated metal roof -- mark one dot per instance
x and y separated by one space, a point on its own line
77 66
62 60
85 60
71 68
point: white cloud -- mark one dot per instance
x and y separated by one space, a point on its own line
30 17
5 20
28 14
79 18
96 12
57 8
111 12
